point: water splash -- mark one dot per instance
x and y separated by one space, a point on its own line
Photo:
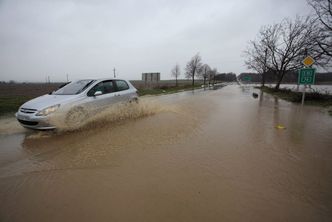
86 118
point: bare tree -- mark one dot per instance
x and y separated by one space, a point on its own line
282 47
211 75
176 72
323 10
257 58
193 68
205 72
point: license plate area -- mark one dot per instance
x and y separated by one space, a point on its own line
23 117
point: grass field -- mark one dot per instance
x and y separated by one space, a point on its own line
11 104
13 95
166 89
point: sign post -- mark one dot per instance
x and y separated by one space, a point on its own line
306 75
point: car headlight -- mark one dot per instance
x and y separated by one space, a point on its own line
48 110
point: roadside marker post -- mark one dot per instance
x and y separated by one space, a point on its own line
303 94
306 75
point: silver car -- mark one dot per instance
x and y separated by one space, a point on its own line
74 97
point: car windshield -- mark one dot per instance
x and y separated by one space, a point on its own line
74 87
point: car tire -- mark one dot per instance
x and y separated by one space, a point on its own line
76 116
133 100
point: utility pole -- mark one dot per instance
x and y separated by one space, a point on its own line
264 69
67 78
114 72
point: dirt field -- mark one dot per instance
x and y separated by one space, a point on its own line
26 89
38 89
13 95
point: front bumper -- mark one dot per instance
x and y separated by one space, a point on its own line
33 122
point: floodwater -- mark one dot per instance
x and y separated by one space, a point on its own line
324 89
204 156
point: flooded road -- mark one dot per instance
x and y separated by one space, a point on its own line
203 156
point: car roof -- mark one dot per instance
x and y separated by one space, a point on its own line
103 79
99 79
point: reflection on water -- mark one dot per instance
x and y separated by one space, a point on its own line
9 125
208 156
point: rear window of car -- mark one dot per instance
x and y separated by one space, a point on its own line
121 85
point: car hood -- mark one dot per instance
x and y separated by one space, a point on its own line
45 101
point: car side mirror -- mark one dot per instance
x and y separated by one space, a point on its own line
98 93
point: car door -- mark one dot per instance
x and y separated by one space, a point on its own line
122 90
108 95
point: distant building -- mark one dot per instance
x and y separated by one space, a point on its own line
151 79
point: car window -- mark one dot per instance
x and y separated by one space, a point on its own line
108 87
121 85
104 87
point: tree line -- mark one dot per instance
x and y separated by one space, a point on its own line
196 68
280 48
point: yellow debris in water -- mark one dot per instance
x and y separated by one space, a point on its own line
279 126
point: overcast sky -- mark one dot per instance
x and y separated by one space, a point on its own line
88 38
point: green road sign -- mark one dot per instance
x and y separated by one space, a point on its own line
306 76
247 78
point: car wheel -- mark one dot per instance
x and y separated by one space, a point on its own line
76 116
133 100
